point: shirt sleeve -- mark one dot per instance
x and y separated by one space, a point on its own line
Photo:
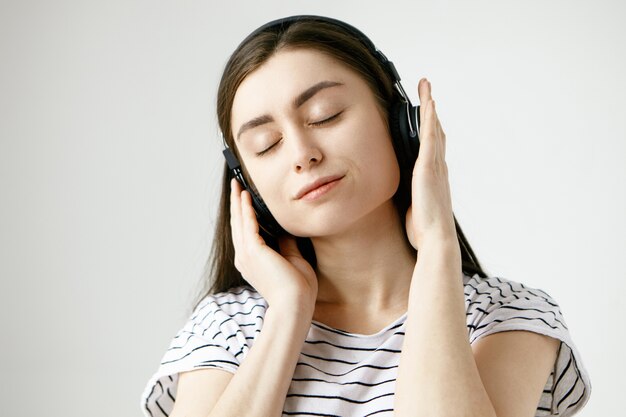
496 305
209 339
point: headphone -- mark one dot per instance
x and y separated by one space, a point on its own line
404 118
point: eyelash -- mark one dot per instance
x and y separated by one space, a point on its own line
320 123
331 118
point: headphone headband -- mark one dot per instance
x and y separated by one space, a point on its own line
285 22
388 66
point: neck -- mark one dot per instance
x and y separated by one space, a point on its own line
369 266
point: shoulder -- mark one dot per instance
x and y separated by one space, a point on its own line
496 304
237 309
222 324
234 316
235 295
218 334
509 305
500 291
231 302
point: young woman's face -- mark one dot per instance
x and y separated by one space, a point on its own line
303 118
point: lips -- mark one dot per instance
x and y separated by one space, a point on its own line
316 184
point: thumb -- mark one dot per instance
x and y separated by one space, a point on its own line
424 94
409 227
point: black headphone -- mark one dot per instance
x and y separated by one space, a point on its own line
404 119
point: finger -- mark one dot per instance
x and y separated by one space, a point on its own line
249 224
423 91
435 139
442 135
439 135
427 137
408 224
235 212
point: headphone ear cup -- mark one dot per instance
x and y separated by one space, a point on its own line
268 226
406 146
266 220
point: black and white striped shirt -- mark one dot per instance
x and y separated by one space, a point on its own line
347 374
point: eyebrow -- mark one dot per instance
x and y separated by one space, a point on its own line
297 102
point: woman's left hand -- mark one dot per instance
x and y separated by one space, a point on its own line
430 216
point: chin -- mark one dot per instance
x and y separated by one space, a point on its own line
322 226
304 230
318 226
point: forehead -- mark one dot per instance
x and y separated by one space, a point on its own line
272 86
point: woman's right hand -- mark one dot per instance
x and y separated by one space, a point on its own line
286 280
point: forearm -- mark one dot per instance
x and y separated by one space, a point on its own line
438 376
260 385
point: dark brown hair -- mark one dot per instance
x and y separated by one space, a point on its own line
220 273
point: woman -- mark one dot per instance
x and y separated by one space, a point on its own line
368 300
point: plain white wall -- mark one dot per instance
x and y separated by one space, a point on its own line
110 164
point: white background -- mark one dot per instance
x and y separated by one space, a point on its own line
110 161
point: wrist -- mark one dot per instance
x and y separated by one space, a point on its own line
297 308
439 255
446 244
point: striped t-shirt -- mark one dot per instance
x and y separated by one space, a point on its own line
346 374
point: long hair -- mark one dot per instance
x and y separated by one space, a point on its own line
220 273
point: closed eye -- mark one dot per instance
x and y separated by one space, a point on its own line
320 123
267 149
331 118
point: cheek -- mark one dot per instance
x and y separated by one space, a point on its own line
383 176
374 150
264 179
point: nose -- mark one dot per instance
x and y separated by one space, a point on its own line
306 153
